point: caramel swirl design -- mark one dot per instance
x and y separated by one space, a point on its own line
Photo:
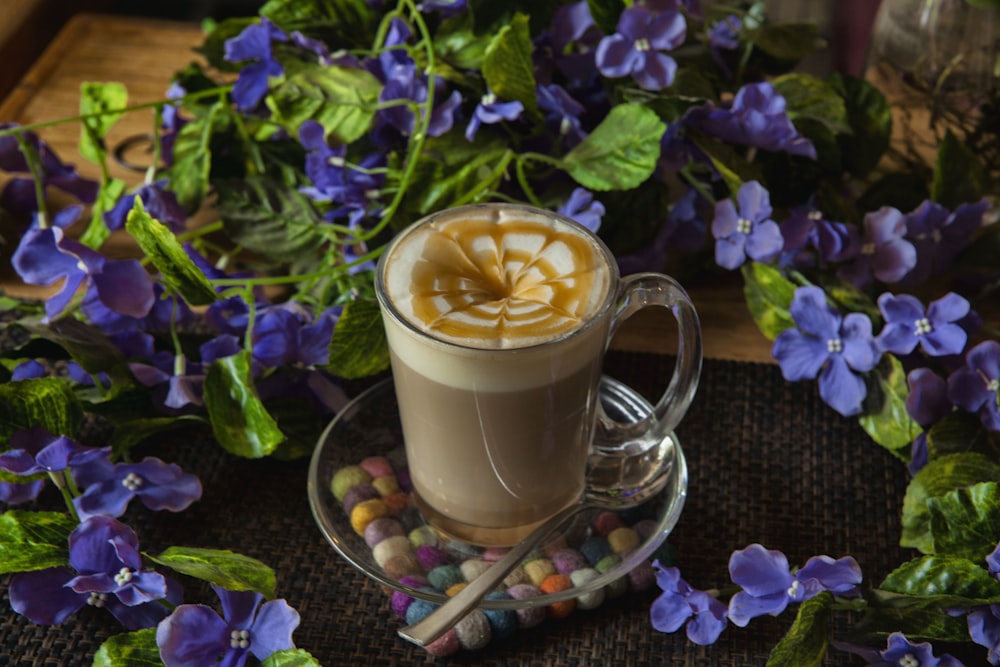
505 283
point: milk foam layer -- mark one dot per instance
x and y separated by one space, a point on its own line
497 278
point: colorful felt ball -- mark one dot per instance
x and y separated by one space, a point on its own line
538 570
400 603
391 547
474 631
386 486
358 493
503 622
473 567
347 477
445 645
380 529
418 611
617 587
376 466
424 536
515 577
605 522
397 502
402 565
527 617
591 599
623 540
595 548
431 557
641 577
493 554
455 589
556 583
567 560
445 576
367 511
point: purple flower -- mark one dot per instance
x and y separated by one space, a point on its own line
254 43
284 335
769 585
582 207
333 180
684 229
927 403
563 113
993 562
404 84
976 386
747 231
491 111
18 194
46 256
724 35
33 451
939 235
637 48
574 38
105 571
679 602
110 487
884 253
984 629
906 324
757 118
901 651
812 240
159 202
195 635
824 343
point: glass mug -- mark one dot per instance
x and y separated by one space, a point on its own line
498 317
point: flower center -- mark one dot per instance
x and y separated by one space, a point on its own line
868 249
336 161
565 125
909 660
132 481
642 44
815 215
123 577
922 326
239 639
744 226
834 345
793 590
936 236
993 385
488 98
97 599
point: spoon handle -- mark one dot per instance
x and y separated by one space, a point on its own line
445 617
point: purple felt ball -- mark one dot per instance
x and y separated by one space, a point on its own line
381 529
357 494
527 617
376 466
431 557
567 561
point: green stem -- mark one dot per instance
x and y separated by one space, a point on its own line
60 479
35 166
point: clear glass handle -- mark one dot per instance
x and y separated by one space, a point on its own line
627 455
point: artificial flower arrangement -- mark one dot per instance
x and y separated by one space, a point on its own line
319 128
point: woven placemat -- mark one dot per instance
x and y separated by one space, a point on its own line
768 463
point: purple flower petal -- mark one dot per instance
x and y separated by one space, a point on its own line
192 636
840 388
272 628
759 571
42 595
799 356
813 315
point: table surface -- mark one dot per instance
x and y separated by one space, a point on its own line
144 54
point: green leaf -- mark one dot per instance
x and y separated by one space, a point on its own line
451 170
46 402
358 347
508 69
97 231
869 116
790 42
885 417
341 99
959 176
805 644
239 420
192 164
165 252
958 432
606 13
942 582
295 657
769 295
100 105
966 522
347 23
33 540
620 153
808 96
268 218
936 479
232 571
130 649
929 622
87 345
731 165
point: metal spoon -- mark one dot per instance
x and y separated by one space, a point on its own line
635 478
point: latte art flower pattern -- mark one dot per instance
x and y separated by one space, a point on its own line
505 284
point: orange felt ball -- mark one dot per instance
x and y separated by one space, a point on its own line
553 584
397 502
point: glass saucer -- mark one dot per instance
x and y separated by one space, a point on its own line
369 426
